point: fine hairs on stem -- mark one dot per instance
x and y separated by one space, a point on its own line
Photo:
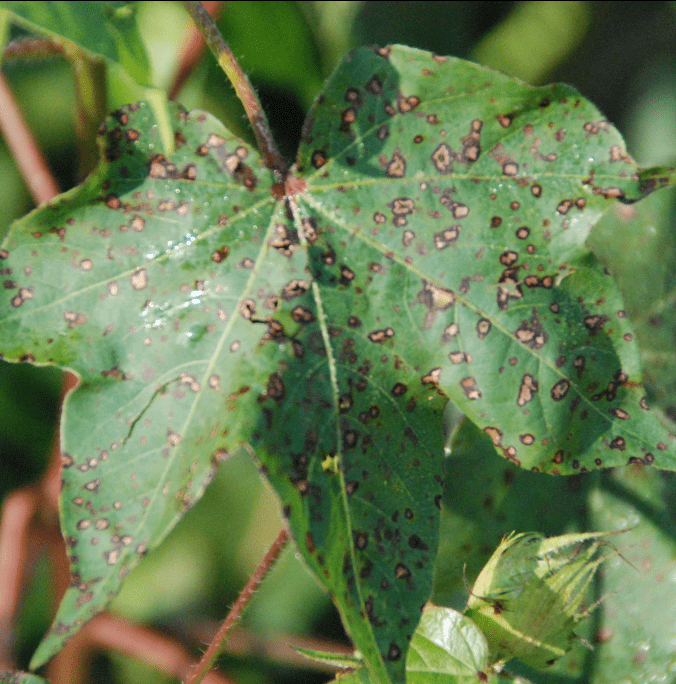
241 84
238 608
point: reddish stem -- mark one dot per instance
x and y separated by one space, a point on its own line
24 149
109 632
240 604
32 48
240 83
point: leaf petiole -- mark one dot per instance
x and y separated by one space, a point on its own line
240 82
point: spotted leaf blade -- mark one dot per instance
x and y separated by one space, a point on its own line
479 191
147 282
353 446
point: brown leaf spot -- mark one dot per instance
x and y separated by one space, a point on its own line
74 318
435 298
112 201
393 652
444 238
294 288
529 386
565 206
401 571
451 331
374 85
495 434
443 158
483 327
399 389
139 279
407 104
302 314
220 254
619 413
112 557
470 388
505 120
318 159
93 485
361 540
596 322
415 542
618 443
433 376
346 275
379 336
396 167
560 389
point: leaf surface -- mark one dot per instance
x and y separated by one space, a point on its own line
483 190
447 648
433 246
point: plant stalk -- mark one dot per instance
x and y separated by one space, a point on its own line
24 148
236 611
241 84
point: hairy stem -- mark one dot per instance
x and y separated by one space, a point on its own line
240 82
240 604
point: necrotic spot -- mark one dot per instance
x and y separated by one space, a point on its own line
399 389
415 542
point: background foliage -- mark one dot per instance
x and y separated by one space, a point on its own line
620 56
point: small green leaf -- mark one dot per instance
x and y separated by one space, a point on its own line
527 599
447 648
107 29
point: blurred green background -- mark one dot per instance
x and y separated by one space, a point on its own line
620 55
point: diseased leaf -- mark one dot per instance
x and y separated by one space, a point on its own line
121 281
484 189
430 244
107 29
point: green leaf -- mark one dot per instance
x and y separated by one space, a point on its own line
527 599
635 637
107 29
20 678
434 247
447 648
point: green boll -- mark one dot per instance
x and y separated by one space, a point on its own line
527 599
